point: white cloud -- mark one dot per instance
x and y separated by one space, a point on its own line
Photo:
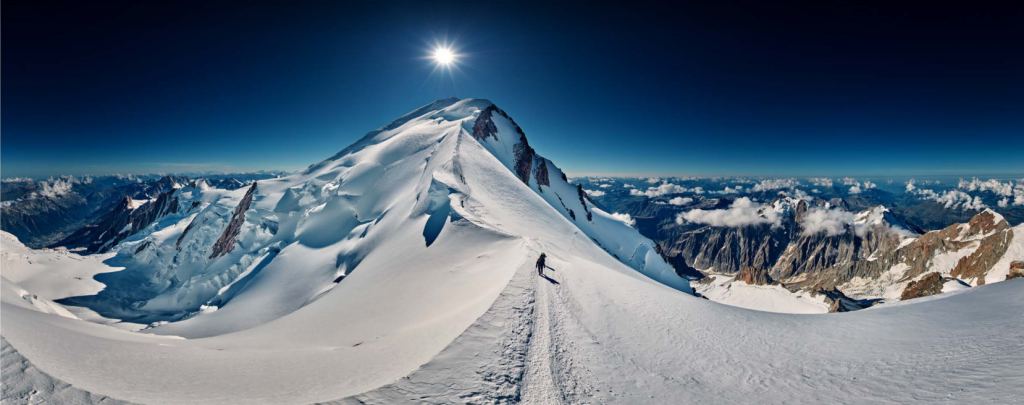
802 195
857 187
605 185
653 180
821 181
1004 202
680 201
1018 193
776 184
595 193
993 185
730 190
625 218
663 189
910 185
832 222
57 187
742 212
628 186
953 199
814 190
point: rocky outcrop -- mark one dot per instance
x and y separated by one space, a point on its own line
143 246
181 238
541 174
930 284
839 302
1016 270
226 242
484 126
991 249
755 276
583 201
524 155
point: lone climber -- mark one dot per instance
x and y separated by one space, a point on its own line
540 264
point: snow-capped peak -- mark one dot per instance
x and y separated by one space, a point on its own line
446 167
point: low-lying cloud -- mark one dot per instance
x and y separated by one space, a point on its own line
665 189
742 212
680 201
624 218
833 222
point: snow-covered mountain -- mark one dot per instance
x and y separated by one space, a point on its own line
401 270
198 248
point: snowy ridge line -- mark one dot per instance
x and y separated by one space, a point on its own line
490 356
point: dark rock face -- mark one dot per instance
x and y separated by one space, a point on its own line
754 276
930 284
583 201
826 261
226 242
839 203
524 156
541 174
484 128
1016 270
125 220
143 246
177 244
728 250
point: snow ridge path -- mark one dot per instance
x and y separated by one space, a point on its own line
538 383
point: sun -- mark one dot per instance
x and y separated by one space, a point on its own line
444 56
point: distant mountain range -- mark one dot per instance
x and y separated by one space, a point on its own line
44 212
811 246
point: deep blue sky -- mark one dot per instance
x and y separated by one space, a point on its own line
761 88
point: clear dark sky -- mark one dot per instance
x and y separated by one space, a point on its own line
762 88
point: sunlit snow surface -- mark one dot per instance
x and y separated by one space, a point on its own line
451 311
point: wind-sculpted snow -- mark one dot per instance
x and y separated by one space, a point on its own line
401 270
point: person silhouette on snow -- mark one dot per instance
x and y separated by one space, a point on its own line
540 264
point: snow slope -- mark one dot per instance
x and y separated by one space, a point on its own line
358 269
770 298
401 270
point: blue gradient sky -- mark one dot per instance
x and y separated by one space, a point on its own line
703 88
